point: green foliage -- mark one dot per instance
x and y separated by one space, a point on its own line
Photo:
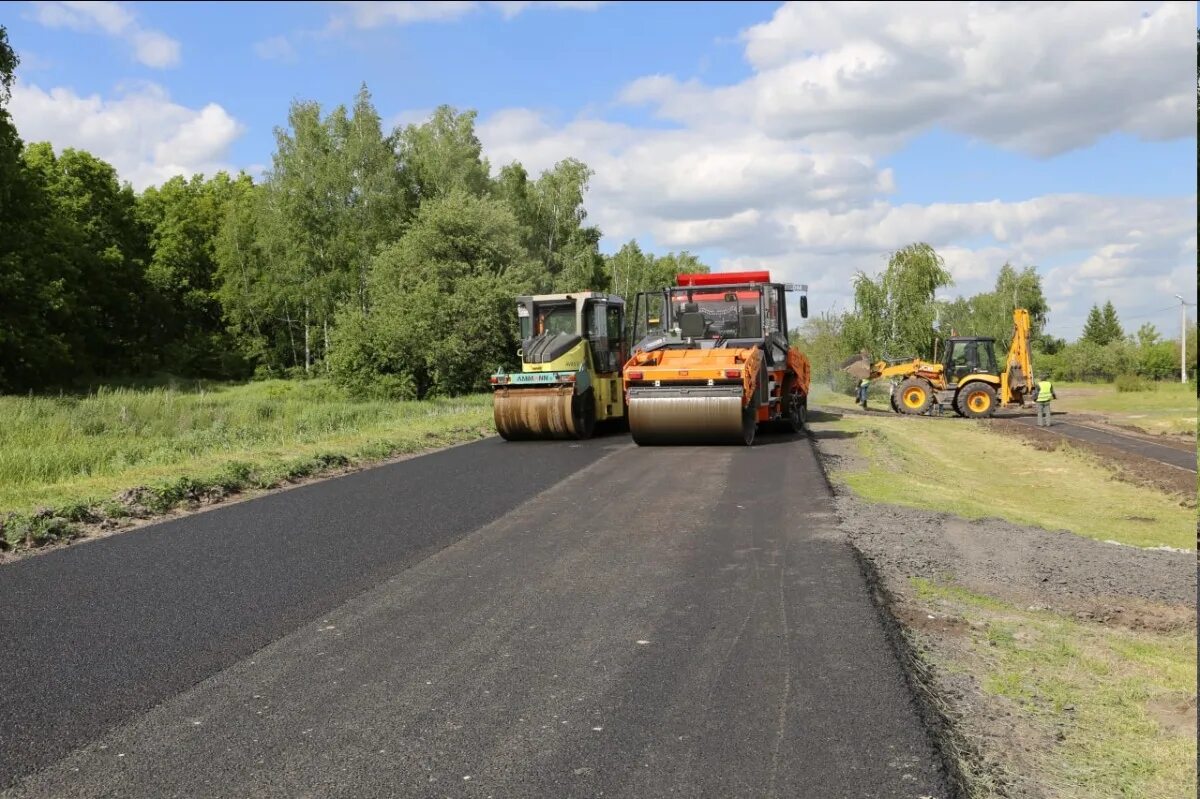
442 155
631 270
183 219
8 66
991 313
440 317
1128 383
1102 326
389 259
822 340
894 315
551 212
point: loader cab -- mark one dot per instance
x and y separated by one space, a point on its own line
967 356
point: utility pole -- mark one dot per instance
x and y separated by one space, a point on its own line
1183 304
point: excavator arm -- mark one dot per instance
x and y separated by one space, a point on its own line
1017 379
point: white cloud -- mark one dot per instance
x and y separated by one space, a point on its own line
146 136
782 169
1040 78
275 48
151 47
366 14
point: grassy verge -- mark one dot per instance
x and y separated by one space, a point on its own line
128 452
1113 708
1164 408
958 466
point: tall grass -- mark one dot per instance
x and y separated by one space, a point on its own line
73 449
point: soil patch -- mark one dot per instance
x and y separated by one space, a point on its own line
1024 565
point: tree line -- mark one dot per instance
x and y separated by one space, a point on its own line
386 260
898 314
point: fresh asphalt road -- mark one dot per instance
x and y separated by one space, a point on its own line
542 619
1180 457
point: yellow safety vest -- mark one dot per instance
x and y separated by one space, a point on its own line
1045 389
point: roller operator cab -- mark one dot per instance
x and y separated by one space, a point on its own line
712 361
572 348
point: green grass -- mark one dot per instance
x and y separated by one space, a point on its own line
958 466
1100 696
1166 408
73 453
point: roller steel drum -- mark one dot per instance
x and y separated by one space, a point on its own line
534 413
690 415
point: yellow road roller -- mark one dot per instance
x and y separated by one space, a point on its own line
572 349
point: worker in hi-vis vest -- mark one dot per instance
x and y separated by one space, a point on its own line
1045 393
861 398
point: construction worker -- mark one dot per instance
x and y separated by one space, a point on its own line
863 385
1045 393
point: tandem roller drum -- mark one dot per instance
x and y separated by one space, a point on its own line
535 413
690 415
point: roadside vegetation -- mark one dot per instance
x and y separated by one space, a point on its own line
119 453
958 466
1153 407
1109 711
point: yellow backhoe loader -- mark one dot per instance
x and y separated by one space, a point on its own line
968 379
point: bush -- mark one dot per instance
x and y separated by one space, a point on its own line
1131 382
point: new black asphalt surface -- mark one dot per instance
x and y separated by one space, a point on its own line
1137 445
93 634
682 621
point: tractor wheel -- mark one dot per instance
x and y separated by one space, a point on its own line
976 400
894 399
795 411
916 395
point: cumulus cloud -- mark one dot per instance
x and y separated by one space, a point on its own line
1039 78
151 47
367 14
783 169
143 133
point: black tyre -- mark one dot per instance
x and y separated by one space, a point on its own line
976 400
916 395
795 410
894 399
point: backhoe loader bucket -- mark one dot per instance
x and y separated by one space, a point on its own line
858 366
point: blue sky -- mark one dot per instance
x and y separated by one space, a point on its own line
811 139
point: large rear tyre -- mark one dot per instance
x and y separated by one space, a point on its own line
916 395
976 401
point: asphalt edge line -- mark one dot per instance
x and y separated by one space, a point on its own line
952 748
